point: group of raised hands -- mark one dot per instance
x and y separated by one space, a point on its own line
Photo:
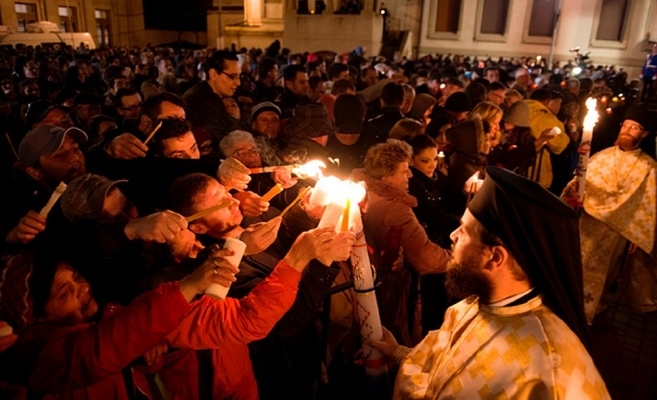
322 244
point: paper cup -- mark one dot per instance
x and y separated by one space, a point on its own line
215 290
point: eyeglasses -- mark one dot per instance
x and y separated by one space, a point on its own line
246 152
233 77
631 127
132 107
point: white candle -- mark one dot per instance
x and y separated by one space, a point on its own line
59 191
585 147
367 309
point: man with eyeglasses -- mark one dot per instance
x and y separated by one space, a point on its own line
617 227
205 108
128 103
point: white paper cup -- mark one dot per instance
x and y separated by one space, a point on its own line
215 290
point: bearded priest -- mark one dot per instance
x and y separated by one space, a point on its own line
520 332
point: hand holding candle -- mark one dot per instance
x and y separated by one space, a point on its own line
273 192
220 291
157 128
59 191
472 186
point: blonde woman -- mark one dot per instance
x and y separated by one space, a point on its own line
492 114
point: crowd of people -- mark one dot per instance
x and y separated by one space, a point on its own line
161 151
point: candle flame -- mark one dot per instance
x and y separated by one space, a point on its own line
592 115
338 191
311 169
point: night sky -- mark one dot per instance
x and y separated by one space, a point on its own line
176 15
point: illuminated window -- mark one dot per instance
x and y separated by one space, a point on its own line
25 14
68 19
102 27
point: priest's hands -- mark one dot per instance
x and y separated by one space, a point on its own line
387 345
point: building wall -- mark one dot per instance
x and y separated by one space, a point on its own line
577 27
126 19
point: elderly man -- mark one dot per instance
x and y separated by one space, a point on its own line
519 332
243 147
618 224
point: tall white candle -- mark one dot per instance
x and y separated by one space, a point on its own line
585 147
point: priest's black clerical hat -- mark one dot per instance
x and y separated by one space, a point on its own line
542 233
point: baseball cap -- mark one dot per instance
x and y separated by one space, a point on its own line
37 110
45 140
85 196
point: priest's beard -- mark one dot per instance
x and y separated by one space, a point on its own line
467 278
627 142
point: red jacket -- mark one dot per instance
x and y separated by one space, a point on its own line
84 361
227 326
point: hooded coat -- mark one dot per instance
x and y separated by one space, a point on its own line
468 141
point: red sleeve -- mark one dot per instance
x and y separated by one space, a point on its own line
212 323
79 356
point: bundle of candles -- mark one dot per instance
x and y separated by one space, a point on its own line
341 200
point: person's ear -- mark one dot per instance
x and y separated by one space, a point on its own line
289 84
498 257
199 229
644 134
34 173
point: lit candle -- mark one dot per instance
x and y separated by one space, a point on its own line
585 147
273 192
311 169
345 216
323 190
441 159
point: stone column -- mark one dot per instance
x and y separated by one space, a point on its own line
87 18
51 11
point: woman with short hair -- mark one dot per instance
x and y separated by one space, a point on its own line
391 226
